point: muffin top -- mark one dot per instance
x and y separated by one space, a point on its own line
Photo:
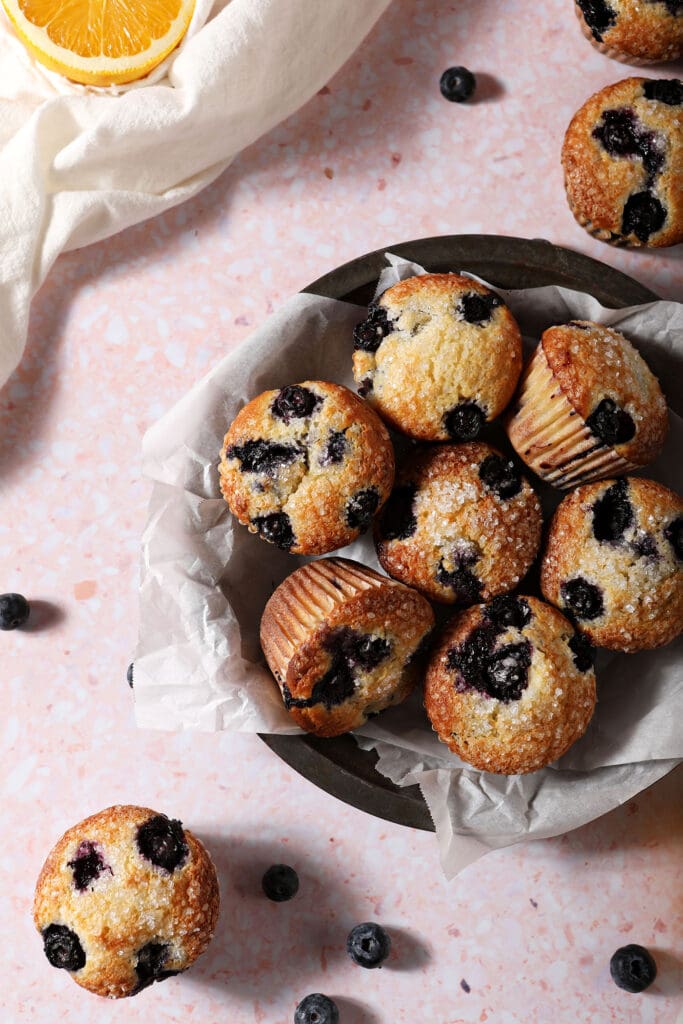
340 640
610 386
623 162
649 30
510 686
613 562
438 356
307 467
125 898
462 524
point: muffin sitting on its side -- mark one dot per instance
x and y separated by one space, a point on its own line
461 525
127 897
623 163
634 31
307 467
438 357
613 562
342 641
588 407
510 686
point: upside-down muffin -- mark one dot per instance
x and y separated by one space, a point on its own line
588 407
438 356
307 467
343 643
461 525
623 163
613 562
511 685
125 898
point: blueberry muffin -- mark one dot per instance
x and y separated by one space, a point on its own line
438 356
462 524
613 563
634 31
307 467
343 643
623 163
510 686
588 407
127 897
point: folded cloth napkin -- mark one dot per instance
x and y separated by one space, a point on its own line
78 165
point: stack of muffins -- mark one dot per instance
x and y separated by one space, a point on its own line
509 683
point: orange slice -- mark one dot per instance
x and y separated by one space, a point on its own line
100 42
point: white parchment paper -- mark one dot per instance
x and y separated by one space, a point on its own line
205 581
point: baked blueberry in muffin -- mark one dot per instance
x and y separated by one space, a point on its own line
510 686
613 563
634 31
461 525
588 406
307 467
342 643
126 898
622 159
438 356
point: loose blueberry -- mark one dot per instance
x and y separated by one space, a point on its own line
462 581
583 599
501 476
368 945
294 403
508 611
87 865
14 611
632 968
610 423
398 520
465 421
507 672
361 508
369 334
259 456
612 513
63 948
478 309
335 448
280 883
161 840
457 84
149 964
643 216
674 534
129 674
666 90
583 652
277 529
598 15
316 1009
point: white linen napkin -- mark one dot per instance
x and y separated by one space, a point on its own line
80 164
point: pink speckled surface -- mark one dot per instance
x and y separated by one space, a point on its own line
118 333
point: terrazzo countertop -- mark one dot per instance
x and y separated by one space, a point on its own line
118 333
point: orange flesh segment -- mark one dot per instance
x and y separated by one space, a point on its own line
107 28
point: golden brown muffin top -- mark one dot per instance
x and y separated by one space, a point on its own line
610 386
438 356
613 561
623 161
307 467
510 685
136 892
462 524
649 30
340 640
